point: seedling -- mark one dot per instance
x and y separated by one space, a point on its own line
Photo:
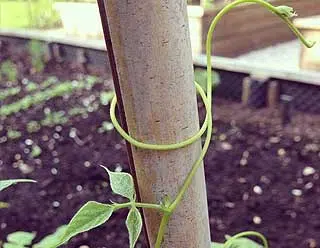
106 127
36 151
13 134
93 214
25 239
106 97
77 111
37 52
54 118
9 92
33 127
9 70
31 86
28 101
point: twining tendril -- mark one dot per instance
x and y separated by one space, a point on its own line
285 13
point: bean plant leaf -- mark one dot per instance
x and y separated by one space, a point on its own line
21 238
286 11
244 243
121 183
9 245
217 245
134 225
91 215
6 183
52 239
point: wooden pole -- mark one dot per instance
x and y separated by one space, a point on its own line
152 52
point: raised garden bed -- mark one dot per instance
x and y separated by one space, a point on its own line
259 174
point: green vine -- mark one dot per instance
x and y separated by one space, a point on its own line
94 214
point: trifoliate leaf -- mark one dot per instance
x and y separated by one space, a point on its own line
91 215
21 238
6 183
121 184
52 239
286 11
134 225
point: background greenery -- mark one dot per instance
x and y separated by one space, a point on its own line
38 13
28 13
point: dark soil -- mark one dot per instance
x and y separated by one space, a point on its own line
254 171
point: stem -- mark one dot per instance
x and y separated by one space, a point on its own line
164 222
118 206
160 147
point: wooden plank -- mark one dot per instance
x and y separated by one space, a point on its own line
252 20
241 44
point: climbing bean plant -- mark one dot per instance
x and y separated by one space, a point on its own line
93 214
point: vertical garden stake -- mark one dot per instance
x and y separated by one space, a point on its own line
152 53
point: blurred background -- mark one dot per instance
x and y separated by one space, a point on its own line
262 168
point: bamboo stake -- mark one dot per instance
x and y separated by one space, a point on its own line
152 52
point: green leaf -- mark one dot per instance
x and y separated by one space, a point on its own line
217 245
36 151
91 215
237 243
53 239
9 245
244 243
134 225
6 183
286 11
121 183
21 238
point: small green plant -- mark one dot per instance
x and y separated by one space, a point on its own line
54 118
77 111
37 52
25 239
9 92
45 95
106 97
9 70
106 126
33 127
31 86
13 134
94 214
36 151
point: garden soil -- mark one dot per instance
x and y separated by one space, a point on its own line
260 175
